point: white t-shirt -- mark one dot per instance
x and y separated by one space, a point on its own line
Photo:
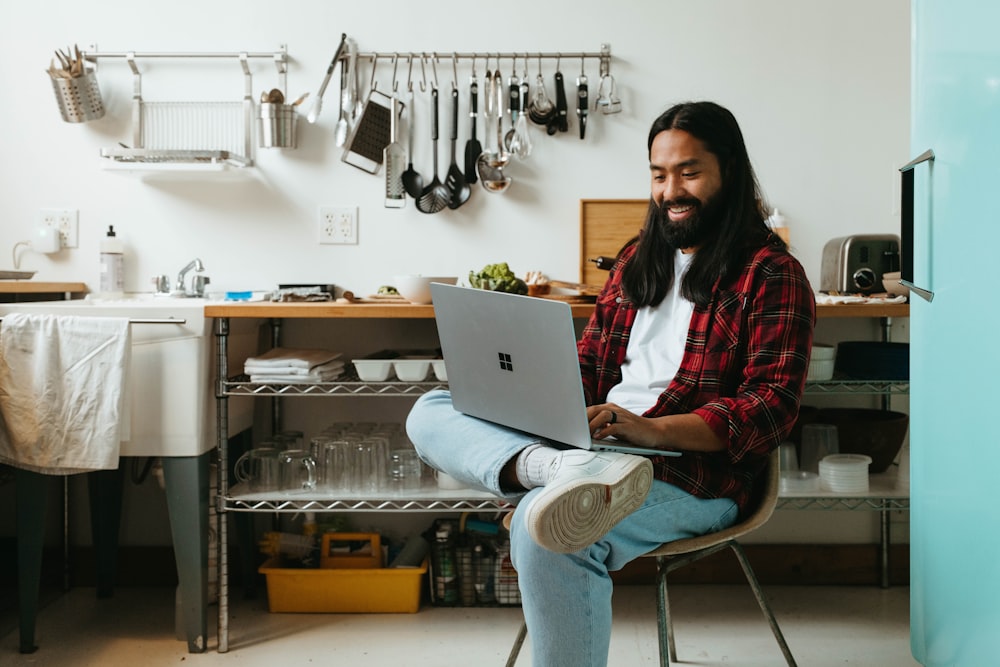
655 346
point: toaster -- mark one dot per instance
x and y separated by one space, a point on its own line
855 264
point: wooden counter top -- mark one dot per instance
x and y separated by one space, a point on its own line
36 287
330 309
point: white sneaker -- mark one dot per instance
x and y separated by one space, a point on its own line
586 495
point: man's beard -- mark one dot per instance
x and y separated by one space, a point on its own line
694 230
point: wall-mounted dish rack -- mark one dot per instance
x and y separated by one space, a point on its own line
189 136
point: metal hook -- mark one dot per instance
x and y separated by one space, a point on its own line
434 67
473 65
409 75
558 61
583 66
371 80
423 70
524 70
454 71
539 64
395 82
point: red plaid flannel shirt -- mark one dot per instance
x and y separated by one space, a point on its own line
743 370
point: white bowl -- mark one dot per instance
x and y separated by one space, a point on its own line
440 372
412 370
821 362
417 288
373 370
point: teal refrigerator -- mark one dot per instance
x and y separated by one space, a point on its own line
951 235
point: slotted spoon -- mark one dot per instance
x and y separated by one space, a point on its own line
435 196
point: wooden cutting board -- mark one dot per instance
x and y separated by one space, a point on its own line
605 226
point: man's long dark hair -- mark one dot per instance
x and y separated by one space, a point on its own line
740 213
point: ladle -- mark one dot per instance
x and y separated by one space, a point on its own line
435 196
490 164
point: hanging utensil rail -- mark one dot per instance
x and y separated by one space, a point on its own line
603 56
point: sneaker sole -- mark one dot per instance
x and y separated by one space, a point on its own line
577 515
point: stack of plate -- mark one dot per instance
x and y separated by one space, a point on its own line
845 473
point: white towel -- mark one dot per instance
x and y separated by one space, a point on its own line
331 366
62 391
298 358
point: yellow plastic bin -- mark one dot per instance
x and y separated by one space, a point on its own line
370 590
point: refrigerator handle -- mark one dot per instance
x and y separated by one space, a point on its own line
906 226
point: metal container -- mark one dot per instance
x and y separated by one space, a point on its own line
278 125
855 264
79 97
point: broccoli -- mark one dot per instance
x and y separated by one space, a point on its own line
498 278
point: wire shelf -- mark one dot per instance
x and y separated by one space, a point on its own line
872 387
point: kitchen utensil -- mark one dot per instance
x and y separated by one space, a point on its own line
608 101
559 123
347 77
491 163
413 182
541 110
300 99
318 102
520 145
513 107
473 149
394 158
455 181
435 196
582 102
371 134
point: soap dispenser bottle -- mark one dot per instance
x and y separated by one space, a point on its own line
112 265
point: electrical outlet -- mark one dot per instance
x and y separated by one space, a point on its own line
66 220
338 225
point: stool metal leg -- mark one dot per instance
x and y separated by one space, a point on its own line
664 624
515 650
762 602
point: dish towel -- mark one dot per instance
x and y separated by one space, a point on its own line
281 359
62 391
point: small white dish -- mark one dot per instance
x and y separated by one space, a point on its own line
440 372
373 370
412 370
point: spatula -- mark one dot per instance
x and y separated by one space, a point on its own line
472 147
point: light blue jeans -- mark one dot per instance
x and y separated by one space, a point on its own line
566 598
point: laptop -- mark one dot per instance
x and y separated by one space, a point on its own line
512 360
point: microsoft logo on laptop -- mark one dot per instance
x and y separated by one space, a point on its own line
505 362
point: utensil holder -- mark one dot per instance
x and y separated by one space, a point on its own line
278 125
79 97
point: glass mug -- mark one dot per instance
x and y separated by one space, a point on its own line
818 441
297 471
258 469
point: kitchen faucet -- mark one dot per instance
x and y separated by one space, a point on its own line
193 264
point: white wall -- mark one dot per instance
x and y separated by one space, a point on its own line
821 91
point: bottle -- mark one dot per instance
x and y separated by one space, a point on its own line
445 575
112 265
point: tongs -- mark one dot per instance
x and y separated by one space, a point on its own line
318 103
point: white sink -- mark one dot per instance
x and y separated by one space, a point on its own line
171 390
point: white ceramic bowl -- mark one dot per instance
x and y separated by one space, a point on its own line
821 362
440 372
890 281
373 370
412 370
417 288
